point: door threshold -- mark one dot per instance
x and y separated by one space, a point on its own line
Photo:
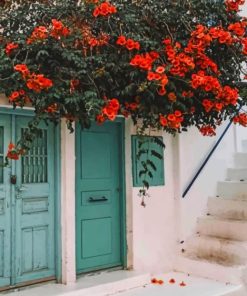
26 285
99 271
105 283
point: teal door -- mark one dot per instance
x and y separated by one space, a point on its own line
27 217
98 197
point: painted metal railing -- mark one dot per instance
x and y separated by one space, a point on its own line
206 160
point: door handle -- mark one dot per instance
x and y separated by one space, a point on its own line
92 199
21 188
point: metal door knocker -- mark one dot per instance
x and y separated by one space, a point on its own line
13 179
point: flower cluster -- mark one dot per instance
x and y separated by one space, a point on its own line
13 152
238 28
35 82
58 29
23 69
144 61
110 111
10 47
173 120
205 82
180 62
233 5
241 119
130 44
18 97
207 130
104 9
101 40
39 33
38 82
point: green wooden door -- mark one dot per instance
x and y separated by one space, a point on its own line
29 210
98 222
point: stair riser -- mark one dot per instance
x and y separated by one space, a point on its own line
236 174
223 229
220 251
230 189
240 160
210 271
230 209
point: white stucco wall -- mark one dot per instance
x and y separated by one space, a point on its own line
151 230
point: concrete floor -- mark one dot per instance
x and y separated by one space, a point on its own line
125 283
194 287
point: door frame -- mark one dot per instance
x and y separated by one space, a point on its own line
120 121
28 112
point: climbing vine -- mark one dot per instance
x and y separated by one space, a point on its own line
171 64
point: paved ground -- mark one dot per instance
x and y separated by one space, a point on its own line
108 283
194 287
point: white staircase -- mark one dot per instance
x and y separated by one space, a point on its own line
219 248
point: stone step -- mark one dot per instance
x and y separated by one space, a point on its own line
236 174
98 284
227 208
219 250
240 159
232 189
202 268
222 228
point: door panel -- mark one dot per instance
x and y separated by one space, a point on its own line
27 208
34 210
98 232
5 204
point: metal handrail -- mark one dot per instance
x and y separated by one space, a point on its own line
206 160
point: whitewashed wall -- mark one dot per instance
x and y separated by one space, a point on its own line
151 230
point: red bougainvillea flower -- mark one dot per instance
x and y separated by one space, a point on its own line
172 97
19 98
14 96
157 281
160 69
12 152
144 61
58 29
130 107
130 44
172 281
233 5
162 91
110 111
154 281
52 108
241 119
207 130
208 105
10 47
238 28
100 119
38 82
104 9
163 121
23 69
121 40
39 33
